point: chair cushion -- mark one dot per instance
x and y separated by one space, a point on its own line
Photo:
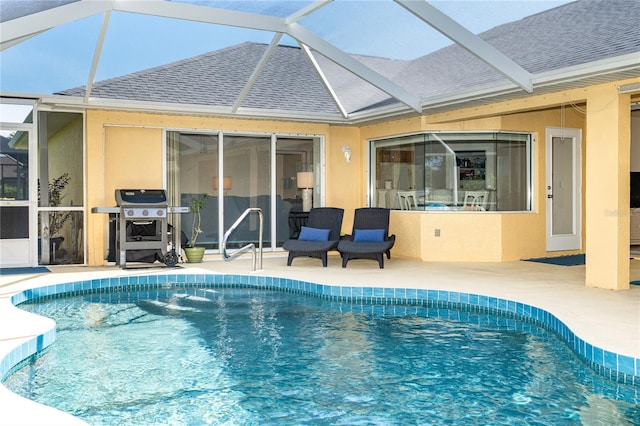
313 234
368 235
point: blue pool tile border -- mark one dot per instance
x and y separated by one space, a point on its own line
618 367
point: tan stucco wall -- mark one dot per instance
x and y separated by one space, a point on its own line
499 234
607 188
464 236
344 181
125 149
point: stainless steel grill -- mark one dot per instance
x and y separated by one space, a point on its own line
142 225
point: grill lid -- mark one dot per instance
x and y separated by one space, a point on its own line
141 196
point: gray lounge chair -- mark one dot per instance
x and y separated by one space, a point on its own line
321 220
370 237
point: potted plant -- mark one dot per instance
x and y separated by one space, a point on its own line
194 253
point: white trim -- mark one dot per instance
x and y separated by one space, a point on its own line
96 55
324 80
354 66
469 41
256 72
598 68
273 192
567 78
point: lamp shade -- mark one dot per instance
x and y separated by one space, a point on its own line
226 183
305 180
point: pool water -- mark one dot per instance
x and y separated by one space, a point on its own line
237 356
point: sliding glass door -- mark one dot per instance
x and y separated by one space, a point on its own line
247 170
239 171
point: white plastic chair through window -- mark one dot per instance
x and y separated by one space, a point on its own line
476 200
407 200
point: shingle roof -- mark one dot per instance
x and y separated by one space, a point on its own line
576 33
572 34
288 81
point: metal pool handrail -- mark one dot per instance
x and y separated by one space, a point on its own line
250 246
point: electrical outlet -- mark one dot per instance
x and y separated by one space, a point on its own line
437 233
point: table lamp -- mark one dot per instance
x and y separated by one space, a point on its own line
305 182
226 183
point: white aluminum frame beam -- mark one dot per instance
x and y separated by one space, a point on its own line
268 23
308 10
17 30
96 55
354 66
206 14
22 28
256 72
326 83
469 41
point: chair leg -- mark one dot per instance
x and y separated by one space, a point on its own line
290 258
380 257
389 254
345 259
323 256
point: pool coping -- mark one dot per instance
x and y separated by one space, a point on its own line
614 366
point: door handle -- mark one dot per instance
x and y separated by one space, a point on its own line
549 195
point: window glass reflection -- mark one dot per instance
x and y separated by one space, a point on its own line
453 171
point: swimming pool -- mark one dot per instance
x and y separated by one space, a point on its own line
351 373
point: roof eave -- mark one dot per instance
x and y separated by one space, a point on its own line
610 69
582 75
77 102
601 68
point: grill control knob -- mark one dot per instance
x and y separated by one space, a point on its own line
145 212
160 213
129 212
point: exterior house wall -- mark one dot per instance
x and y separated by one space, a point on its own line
125 149
344 181
464 236
488 236
607 188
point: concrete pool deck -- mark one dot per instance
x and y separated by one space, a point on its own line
603 318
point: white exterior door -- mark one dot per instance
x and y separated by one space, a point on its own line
17 222
563 189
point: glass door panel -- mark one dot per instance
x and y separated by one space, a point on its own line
562 186
15 206
295 171
255 171
563 202
247 171
193 170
